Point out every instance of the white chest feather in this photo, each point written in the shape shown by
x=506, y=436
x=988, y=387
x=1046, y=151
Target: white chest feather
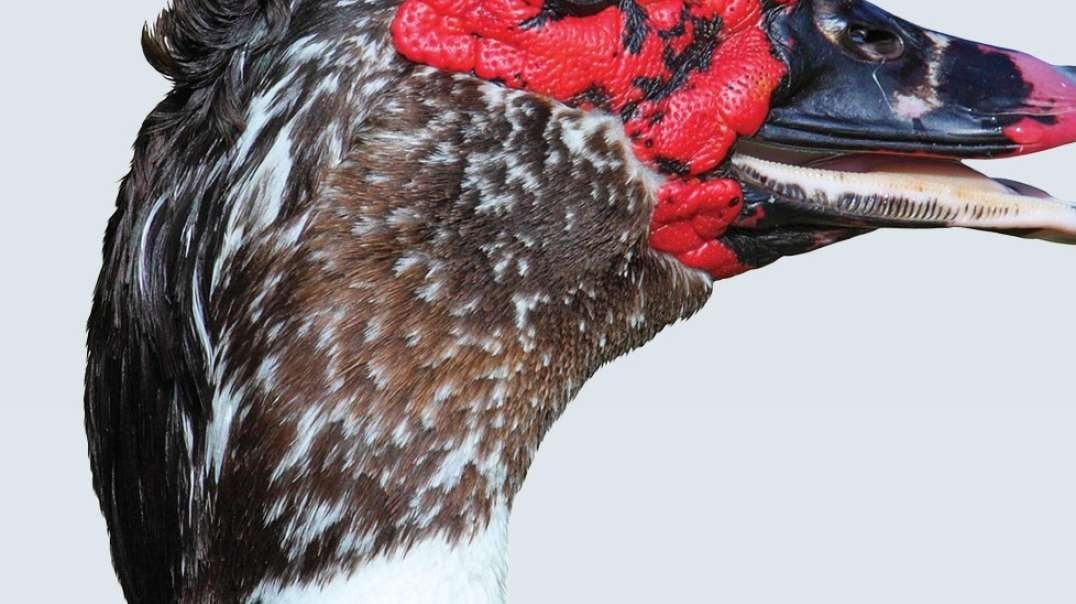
x=432, y=572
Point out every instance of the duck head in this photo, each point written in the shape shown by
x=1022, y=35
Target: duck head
x=781, y=126
x=344, y=296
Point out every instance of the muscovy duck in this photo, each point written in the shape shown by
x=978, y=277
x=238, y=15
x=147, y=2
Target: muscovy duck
x=368, y=250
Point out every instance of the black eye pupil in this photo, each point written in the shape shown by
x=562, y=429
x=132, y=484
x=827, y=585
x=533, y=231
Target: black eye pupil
x=875, y=44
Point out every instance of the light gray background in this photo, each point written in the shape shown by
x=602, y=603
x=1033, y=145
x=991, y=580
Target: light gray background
x=888, y=420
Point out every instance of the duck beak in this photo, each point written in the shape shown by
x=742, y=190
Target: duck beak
x=868, y=129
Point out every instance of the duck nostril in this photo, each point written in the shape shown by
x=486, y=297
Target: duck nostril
x=874, y=44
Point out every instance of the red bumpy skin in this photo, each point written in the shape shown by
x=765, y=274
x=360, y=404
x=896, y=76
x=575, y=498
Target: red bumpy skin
x=686, y=76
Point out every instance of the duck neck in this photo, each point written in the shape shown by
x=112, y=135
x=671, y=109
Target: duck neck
x=383, y=384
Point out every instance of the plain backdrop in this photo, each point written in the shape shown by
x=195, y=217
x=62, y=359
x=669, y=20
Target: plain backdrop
x=890, y=420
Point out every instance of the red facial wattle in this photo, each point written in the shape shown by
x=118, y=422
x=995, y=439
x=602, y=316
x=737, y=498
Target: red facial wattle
x=687, y=77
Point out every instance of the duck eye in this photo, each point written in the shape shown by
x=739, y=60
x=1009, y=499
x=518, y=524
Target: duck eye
x=873, y=44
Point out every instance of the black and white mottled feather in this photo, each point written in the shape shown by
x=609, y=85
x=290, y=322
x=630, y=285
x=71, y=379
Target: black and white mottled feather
x=343, y=298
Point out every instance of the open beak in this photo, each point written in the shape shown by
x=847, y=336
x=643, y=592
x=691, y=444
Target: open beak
x=874, y=116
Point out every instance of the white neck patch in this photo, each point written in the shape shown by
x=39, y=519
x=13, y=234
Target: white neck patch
x=431, y=572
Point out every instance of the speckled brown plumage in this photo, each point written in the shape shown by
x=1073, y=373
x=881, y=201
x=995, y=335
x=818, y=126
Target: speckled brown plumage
x=417, y=319
x=363, y=310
